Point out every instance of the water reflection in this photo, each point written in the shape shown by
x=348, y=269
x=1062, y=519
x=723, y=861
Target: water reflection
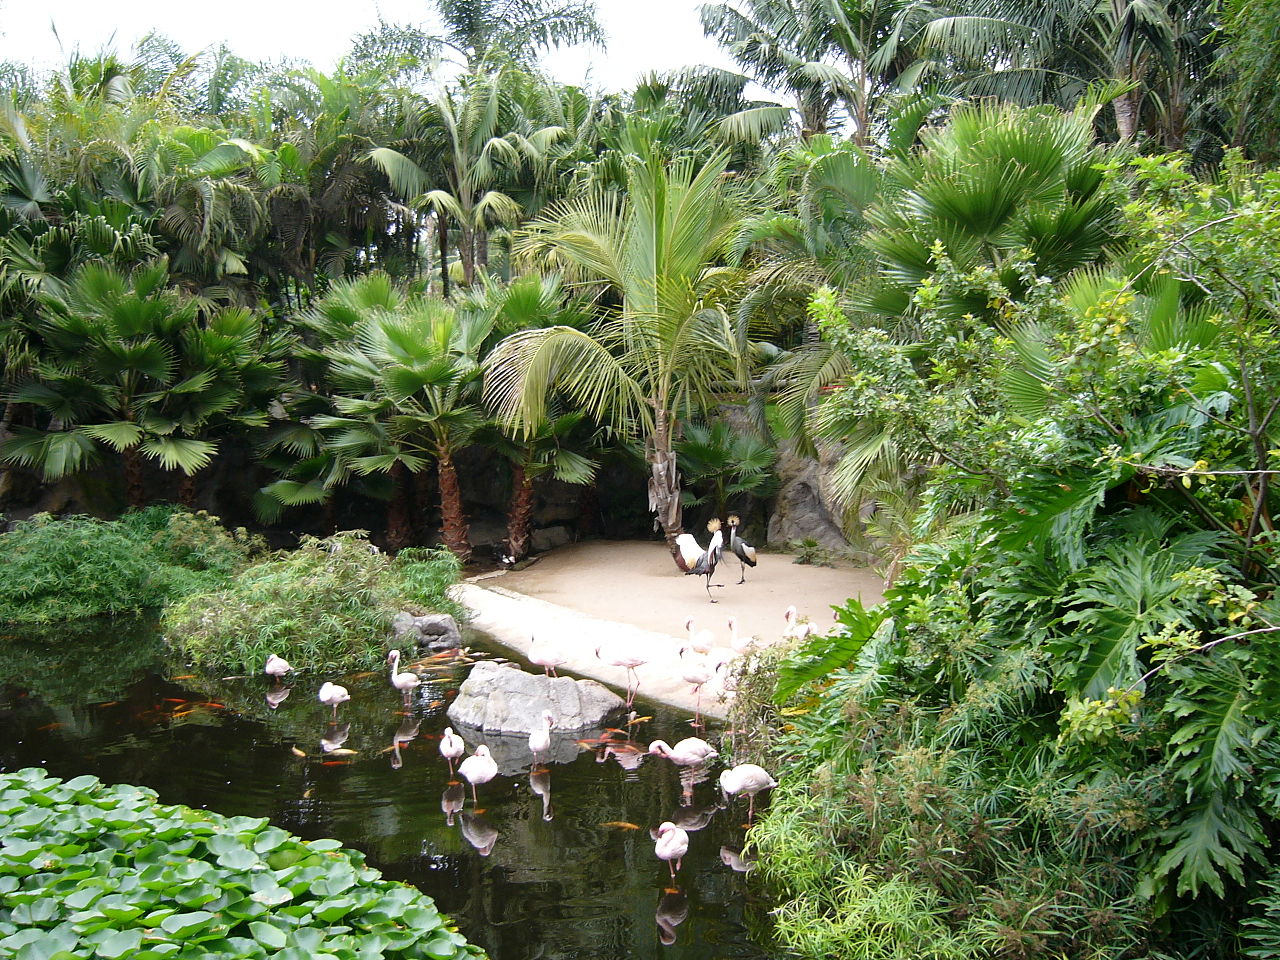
x=277, y=695
x=569, y=882
x=673, y=910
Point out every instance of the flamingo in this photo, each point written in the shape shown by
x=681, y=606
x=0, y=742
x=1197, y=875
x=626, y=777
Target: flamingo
x=478, y=768
x=686, y=753
x=543, y=654
x=451, y=747
x=692, y=559
x=746, y=778
x=672, y=844
x=740, y=644
x=331, y=694
x=540, y=736
x=695, y=671
x=701, y=641
x=795, y=630
x=630, y=657
x=406, y=682
x=276, y=667
x=744, y=551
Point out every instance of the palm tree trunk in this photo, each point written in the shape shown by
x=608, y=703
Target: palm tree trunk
x=520, y=514
x=453, y=524
x=135, y=492
x=467, y=253
x=1126, y=109
x=424, y=491
x=664, y=481
x=187, y=490
x=399, y=524
x=329, y=509
x=482, y=250
x=442, y=234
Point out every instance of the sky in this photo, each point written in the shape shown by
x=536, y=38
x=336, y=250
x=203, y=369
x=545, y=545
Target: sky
x=644, y=35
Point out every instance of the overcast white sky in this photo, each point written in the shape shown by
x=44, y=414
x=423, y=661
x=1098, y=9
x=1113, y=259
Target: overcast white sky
x=643, y=34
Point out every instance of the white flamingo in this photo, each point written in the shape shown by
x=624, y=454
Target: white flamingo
x=540, y=736
x=544, y=654
x=332, y=694
x=740, y=644
x=695, y=670
x=451, y=747
x=672, y=844
x=700, y=641
x=746, y=778
x=795, y=630
x=405, y=682
x=276, y=666
x=630, y=657
x=686, y=753
x=478, y=768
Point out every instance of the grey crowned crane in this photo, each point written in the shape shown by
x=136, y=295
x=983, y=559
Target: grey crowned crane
x=691, y=558
x=744, y=551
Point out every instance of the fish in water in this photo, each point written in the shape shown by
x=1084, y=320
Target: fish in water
x=621, y=825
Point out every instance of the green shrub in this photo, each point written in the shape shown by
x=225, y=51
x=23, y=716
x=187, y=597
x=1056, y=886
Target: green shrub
x=326, y=606
x=55, y=569
x=89, y=870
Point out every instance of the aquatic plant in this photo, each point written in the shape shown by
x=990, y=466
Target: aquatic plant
x=327, y=605
x=89, y=870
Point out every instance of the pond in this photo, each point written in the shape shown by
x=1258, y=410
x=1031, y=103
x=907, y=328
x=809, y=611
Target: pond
x=559, y=865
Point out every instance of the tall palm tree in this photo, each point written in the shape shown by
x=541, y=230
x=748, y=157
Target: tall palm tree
x=477, y=149
x=664, y=344
x=517, y=30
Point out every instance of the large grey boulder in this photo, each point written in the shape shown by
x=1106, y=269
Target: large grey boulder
x=502, y=698
x=803, y=507
x=435, y=631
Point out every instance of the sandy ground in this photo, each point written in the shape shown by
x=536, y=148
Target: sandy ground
x=630, y=595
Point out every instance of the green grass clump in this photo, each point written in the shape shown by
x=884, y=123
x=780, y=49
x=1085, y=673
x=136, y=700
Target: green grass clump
x=55, y=569
x=94, y=871
x=327, y=606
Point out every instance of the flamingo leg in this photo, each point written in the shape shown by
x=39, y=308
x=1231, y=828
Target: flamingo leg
x=475, y=801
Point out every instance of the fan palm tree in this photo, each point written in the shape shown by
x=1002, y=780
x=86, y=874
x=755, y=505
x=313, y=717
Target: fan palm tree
x=518, y=30
x=664, y=344
x=124, y=364
x=408, y=392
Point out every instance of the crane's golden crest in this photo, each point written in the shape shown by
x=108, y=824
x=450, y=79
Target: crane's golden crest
x=734, y=520
x=713, y=524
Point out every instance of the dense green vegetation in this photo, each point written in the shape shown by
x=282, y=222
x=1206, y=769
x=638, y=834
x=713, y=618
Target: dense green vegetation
x=1019, y=263
x=54, y=569
x=328, y=604
x=97, y=871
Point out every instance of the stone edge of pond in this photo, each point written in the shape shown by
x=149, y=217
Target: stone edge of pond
x=513, y=619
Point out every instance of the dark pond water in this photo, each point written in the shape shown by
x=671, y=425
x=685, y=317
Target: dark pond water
x=566, y=870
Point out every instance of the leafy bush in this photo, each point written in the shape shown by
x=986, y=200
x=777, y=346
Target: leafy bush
x=89, y=870
x=327, y=606
x=54, y=569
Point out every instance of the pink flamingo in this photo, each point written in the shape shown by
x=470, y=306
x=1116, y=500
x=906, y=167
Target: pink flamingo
x=746, y=778
x=546, y=656
x=672, y=844
x=630, y=657
x=478, y=768
x=686, y=753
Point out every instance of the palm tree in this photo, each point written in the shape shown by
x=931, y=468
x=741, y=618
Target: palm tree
x=408, y=392
x=476, y=150
x=664, y=344
x=518, y=30
x=123, y=363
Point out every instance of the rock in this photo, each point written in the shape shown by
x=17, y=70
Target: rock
x=548, y=538
x=502, y=698
x=802, y=508
x=436, y=631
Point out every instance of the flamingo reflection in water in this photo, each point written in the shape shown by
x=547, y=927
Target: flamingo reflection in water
x=692, y=817
x=405, y=733
x=734, y=860
x=673, y=910
x=452, y=800
x=334, y=736
x=478, y=832
x=277, y=695
x=540, y=784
